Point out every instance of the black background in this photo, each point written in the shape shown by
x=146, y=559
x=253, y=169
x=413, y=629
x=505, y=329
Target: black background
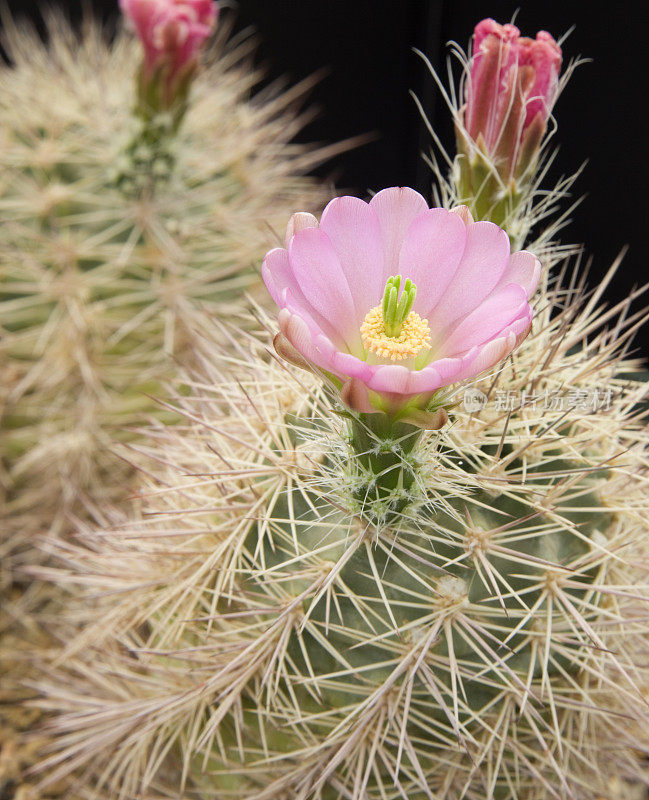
x=367, y=47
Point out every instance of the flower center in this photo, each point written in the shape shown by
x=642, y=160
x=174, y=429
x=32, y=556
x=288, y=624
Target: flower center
x=392, y=330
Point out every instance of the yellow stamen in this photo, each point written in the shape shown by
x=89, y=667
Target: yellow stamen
x=414, y=336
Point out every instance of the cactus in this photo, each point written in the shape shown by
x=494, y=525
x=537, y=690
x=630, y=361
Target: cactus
x=337, y=593
x=488, y=641
x=99, y=276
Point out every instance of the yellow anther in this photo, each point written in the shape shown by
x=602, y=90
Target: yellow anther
x=413, y=338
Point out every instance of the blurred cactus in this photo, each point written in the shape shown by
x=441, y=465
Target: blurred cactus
x=99, y=282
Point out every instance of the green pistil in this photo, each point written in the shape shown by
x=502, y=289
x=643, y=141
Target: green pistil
x=396, y=309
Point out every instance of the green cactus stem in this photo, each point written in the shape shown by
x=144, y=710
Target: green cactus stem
x=384, y=464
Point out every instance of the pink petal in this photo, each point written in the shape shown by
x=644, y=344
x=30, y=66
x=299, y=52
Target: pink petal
x=489, y=27
x=500, y=309
x=277, y=274
x=484, y=356
x=431, y=254
x=494, y=351
x=283, y=288
x=298, y=222
x=320, y=276
x=314, y=346
x=521, y=326
x=464, y=212
x=350, y=365
x=489, y=355
x=523, y=268
x=484, y=260
x=297, y=332
x=543, y=54
x=396, y=209
x=355, y=234
x=315, y=323
x=449, y=368
x=378, y=377
x=390, y=378
x=430, y=378
x=494, y=55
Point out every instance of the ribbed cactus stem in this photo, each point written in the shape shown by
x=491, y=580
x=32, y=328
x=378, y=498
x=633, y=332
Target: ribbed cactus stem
x=385, y=454
x=306, y=640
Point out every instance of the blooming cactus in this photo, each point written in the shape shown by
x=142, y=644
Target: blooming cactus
x=463, y=308
x=319, y=605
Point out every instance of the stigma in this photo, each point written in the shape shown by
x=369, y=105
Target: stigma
x=393, y=330
x=413, y=337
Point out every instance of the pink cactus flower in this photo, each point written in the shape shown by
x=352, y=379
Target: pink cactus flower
x=396, y=300
x=171, y=31
x=512, y=86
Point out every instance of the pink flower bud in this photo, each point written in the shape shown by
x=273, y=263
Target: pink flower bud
x=512, y=86
x=171, y=31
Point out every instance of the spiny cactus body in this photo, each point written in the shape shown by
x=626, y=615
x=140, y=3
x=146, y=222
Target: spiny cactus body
x=483, y=635
x=106, y=254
